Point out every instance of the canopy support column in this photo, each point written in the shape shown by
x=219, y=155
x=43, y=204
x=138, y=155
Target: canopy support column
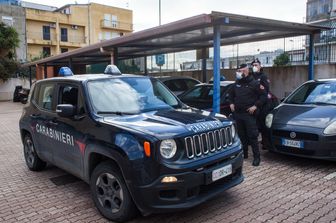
x=216, y=69
x=311, y=58
x=45, y=71
x=30, y=76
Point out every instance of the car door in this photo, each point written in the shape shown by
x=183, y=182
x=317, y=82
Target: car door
x=40, y=116
x=70, y=142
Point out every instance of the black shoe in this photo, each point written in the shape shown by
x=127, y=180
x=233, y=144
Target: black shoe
x=256, y=162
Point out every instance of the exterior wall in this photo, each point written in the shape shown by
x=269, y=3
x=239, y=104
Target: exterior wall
x=36, y=19
x=35, y=50
x=283, y=79
x=84, y=24
x=18, y=17
x=7, y=88
x=123, y=24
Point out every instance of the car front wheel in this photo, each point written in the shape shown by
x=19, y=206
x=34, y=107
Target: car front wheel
x=33, y=161
x=110, y=193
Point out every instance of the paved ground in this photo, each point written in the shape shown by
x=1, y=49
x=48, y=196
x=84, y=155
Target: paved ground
x=282, y=189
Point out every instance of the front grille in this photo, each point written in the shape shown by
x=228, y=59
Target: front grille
x=299, y=135
x=209, y=142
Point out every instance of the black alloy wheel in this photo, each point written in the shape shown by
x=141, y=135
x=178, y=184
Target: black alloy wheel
x=33, y=161
x=110, y=193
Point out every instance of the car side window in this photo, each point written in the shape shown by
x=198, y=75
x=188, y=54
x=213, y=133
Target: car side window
x=69, y=94
x=194, y=94
x=176, y=85
x=190, y=83
x=34, y=93
x=45, y=96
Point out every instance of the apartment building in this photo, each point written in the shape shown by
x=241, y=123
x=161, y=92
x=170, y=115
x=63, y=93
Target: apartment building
x=13, y=15
x=51, y=31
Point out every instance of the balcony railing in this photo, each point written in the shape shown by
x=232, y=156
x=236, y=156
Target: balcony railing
x=39, y=36
x=116, y=25
x=72, y=39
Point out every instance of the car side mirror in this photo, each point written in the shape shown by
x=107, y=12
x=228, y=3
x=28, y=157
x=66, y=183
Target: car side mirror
x=65, y=110
x=282, y=99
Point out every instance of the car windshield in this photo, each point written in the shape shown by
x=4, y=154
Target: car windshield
x=129, y=95
x=323, y=93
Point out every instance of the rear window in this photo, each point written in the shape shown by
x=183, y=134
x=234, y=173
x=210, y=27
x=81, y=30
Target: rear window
x=314, y=93
x=204, y=92
x=176, y=85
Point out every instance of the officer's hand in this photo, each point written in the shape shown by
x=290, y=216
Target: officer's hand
x=252, y=109
x=232, y=107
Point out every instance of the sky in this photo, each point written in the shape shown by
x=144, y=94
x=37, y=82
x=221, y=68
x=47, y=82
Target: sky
x=146, y=12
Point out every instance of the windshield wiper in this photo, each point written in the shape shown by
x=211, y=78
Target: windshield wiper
x=114, y=113
x=320, y=103
x=293, y=102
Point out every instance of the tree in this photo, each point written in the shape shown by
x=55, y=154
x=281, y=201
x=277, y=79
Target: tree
x=281, y=60
x=9, y=40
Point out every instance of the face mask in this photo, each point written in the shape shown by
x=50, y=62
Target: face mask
x=239, y=75
x=255, y=69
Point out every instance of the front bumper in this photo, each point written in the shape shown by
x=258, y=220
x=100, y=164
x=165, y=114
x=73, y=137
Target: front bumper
x=315, y=144
x=192, y=188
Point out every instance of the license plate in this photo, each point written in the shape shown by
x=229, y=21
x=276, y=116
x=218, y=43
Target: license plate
x=221, y=172
x=292, y=143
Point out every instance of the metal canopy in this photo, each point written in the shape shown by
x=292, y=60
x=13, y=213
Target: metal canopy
x=192, y=33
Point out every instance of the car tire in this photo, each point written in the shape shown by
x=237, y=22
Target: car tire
x=110, y=193
x=33, y=161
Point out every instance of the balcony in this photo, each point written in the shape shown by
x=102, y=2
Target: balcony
x=41, y=38
x=72, y=40
x=123, y=26
x=50, y=39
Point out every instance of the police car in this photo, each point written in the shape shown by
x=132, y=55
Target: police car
x=137, y=145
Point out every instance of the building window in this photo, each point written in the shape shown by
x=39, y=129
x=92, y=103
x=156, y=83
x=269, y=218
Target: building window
x=114, y=35
x=64, y=34
x=66, y=11
x=64, y=50
x=46, y=32
x=7, y=20
x=107, y=35
x=46, y=51
x=110, y=20
x=114, y=21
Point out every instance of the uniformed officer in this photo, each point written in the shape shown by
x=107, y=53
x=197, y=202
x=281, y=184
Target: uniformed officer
x=246, y=99
x=260, y=76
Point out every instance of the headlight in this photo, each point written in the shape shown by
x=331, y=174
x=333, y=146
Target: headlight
x=168, y=148
x=269, y=120
x=233, y=131
x=331, y=129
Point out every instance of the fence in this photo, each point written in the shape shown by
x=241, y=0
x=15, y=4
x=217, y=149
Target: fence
x=297, y=49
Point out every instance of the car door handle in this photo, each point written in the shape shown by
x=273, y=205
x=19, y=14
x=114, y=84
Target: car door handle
x=51, y=122
x=35, y=115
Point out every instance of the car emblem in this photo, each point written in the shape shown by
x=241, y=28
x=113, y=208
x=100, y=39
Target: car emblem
x=292, y=135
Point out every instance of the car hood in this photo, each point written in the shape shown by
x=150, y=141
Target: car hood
x=305, y=115
x=169, y=123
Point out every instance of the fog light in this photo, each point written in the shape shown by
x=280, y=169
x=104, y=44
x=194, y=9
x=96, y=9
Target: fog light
x=170, y=179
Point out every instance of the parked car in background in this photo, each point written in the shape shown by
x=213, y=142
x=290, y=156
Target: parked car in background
x=179, y=85
x=200, y=97
x=304, y=124
x=221, y=78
